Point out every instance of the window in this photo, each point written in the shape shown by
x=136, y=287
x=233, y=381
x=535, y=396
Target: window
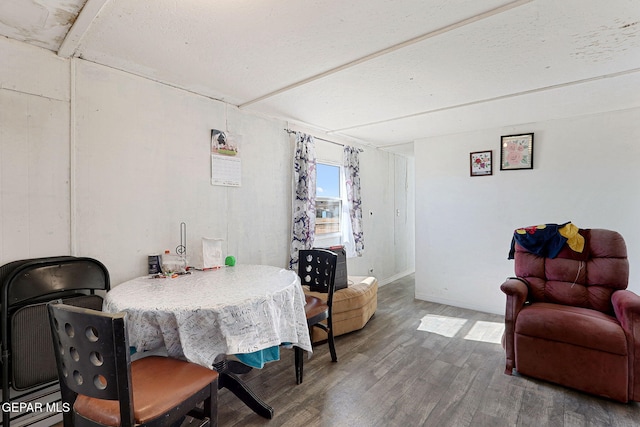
x=328, y=201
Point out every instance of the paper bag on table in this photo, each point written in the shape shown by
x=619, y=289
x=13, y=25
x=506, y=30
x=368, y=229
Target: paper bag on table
x=210, y=255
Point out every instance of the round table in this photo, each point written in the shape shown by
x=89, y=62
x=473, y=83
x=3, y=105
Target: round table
x=198, y=316
x=205, y=314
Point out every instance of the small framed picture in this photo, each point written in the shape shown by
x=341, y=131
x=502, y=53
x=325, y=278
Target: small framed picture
x=516, y=151
x=481, y=163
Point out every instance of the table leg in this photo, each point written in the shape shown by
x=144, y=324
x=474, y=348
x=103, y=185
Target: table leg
x=238, y=367
x=233, y=383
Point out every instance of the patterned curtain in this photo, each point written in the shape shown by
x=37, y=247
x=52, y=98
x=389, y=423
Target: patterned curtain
x=304, y=197
x=355, y=244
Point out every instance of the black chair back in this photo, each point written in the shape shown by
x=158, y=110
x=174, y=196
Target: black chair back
x=92, y=355
x=317, y=269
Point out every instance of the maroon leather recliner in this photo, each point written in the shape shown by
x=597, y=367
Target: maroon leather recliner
x=570, y=320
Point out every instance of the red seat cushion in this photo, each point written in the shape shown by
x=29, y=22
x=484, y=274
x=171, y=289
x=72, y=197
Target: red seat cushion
x=315, y=307
x=159, y=384
x=573, y=325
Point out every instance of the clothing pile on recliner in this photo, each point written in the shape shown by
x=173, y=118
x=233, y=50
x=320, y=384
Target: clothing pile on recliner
x=552, y=240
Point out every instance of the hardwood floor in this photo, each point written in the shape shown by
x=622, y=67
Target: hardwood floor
x=393, y=374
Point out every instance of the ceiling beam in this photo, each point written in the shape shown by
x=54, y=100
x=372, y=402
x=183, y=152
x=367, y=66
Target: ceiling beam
x=486, y=100
x=80, y=27
x=392, y=49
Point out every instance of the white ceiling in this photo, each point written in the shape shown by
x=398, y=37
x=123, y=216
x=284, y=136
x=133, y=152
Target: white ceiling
x=386, y=72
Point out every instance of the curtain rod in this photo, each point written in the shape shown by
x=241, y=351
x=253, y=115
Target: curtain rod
x=289, y=131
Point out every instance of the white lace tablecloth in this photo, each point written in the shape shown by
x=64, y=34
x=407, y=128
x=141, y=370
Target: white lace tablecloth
x=240, y=309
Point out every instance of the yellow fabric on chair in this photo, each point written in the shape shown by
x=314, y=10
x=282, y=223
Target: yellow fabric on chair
x=574, y=240
x=353, y=306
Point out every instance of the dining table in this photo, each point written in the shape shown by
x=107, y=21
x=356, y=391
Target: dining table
x=205, y=316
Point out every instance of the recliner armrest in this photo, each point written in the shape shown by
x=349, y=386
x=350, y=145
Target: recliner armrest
x=626, y=306
x=517, y=287
x=517, y=290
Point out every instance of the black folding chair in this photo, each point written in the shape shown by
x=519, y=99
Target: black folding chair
x=28, y=362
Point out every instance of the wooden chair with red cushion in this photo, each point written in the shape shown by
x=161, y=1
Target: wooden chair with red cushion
x=102, y=387
x=317, y=269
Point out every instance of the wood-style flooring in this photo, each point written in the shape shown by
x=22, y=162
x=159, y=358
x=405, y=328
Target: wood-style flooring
x=416, y=363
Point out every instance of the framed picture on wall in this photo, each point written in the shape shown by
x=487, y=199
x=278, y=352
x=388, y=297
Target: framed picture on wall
x=516, y=151
x=481, y=163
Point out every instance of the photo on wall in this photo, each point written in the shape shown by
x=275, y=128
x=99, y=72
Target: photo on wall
x=516, y=152
x=481, y=163
x=224, y=143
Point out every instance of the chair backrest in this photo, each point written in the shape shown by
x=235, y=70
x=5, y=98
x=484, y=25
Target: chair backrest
x=584, y=280
x=33, y=362
x=317, y=269
x=26, y=286
x=44, y=279
x=92, y=355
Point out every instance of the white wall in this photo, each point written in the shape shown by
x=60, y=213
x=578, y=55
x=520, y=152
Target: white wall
x=100, y=163
x=34, y=152
x=389, y=247
x=387, y=211
x=585, y=171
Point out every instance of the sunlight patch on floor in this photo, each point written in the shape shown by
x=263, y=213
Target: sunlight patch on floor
x=441, y=325
x=490, y=332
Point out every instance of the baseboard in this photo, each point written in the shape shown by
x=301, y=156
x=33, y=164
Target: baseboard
x=461, y=304
x=395, y=277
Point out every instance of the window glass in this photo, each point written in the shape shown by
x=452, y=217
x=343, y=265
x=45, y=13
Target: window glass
x=327, y=180
x=328, y=203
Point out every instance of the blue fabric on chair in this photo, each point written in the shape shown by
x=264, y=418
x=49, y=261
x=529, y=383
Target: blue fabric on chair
x=543, y=240
x=257, y=359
